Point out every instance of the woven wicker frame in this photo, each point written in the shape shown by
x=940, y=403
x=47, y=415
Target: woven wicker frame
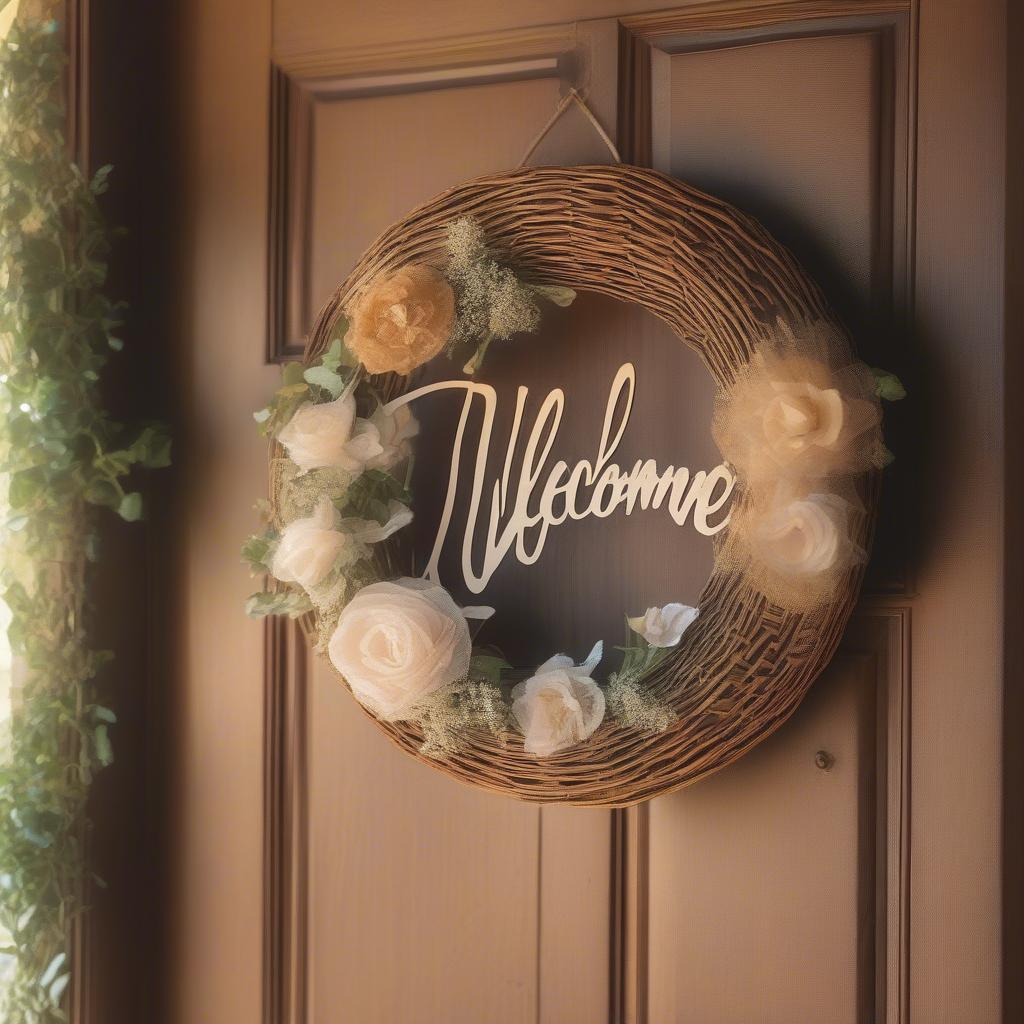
x=716, y=277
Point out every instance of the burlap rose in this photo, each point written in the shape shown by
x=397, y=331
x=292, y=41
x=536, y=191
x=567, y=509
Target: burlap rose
x=402, y=320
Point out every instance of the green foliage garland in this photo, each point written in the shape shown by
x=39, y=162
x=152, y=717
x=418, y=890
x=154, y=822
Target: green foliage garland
x=60, y=455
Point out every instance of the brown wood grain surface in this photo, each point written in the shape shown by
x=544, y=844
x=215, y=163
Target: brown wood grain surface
x=875, y=133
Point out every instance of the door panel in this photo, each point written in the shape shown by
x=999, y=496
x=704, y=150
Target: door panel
x=738, y=123
x=455, y=902
x=762, y=878
x=425, y=894
x=378, y=157
x=731, y=111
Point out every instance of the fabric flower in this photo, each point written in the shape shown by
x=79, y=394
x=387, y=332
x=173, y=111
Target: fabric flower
x=402, y=320
x=664, y=627
x=309, y=548
x=794, y=546
x=801, y=415
x=396, y=643
x=801, y=409
x=329, y=435
x=559, y=706
x=395, y=431
x=802, y=537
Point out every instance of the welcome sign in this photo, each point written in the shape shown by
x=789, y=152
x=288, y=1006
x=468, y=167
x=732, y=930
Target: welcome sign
x=515, y=511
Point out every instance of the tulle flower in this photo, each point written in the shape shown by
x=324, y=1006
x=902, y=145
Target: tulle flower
x=801, y=409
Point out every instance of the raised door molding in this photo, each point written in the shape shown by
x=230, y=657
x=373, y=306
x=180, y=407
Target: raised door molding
x=299, y=88
x=630, y=895
x=285, y=823
x=881, y=318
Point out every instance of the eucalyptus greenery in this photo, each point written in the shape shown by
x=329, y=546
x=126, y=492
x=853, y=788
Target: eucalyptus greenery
x=60, y=456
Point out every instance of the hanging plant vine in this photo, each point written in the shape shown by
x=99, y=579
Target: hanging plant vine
x=61, y=456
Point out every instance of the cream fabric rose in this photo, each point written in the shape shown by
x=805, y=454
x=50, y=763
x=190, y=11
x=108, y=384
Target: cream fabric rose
x=309, y=548
x=801, y=415
x=664, y=627
x=395, y=431
x=396, y=643
x=801, y=409
x=802, y=537
x=330, y=435
x=402, y=320
x=559, y=706
x=794, y=547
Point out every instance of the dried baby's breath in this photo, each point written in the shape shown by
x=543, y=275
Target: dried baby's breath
x=465, y=242
x=633, y=706
x=492, y=303
x=471, y=704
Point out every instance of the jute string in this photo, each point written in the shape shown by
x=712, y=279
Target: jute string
x=572, y=96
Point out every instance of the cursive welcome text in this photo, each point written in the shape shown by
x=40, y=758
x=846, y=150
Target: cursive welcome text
x=522, y=511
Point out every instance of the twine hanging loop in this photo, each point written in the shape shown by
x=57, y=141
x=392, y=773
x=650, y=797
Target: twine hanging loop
x=572, y=96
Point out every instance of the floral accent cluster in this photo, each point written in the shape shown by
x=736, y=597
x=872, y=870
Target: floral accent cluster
x=403, y=645
x=494, y=303
x=800, y=421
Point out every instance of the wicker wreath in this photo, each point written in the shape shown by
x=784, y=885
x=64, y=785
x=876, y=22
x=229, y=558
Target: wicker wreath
x=721, y=282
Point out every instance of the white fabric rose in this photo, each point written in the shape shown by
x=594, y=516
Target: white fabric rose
x=309, y=548
x=330, y=435
x=395, y=432
x=804, y=536
x=559, y=706
x=396, y=643
x=664, y=627
x=801, y=415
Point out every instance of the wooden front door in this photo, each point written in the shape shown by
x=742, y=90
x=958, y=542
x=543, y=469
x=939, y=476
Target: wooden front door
x=846, y=871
